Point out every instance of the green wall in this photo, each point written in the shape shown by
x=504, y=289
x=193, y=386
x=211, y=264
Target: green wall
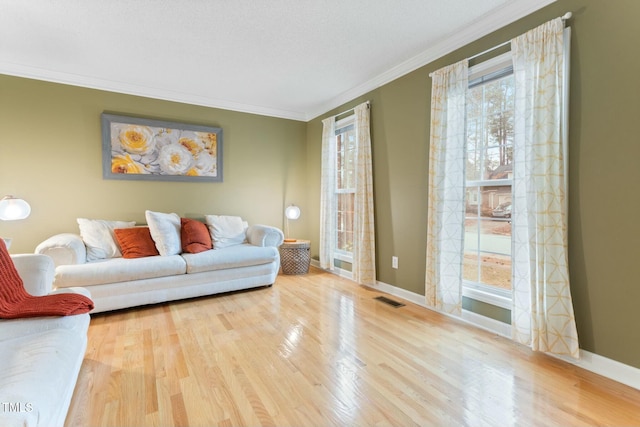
x=50, y=154
x=604, y=152
x=51, y=148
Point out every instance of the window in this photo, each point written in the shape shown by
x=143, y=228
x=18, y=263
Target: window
x=345, y=187
x=489, y=177
x=483, y=175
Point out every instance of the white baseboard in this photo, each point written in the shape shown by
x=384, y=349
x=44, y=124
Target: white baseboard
x=608, y=368
x=592, y=362
x=595, y=363
x=401, y=293
x=337, y=271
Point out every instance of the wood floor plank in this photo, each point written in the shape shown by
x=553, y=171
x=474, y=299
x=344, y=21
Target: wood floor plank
x=319, y=350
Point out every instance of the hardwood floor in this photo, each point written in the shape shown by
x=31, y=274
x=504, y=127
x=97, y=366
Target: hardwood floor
x=318, y=350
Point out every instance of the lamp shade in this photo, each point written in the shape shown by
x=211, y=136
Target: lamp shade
x=12, y=208
x=292, y=212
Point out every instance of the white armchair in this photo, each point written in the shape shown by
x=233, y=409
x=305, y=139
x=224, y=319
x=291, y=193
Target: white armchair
x=36, y=272
x=41, y=356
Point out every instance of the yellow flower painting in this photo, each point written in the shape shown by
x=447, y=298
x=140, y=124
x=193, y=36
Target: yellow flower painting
x=135, y=148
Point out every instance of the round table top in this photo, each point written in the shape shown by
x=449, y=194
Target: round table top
x=298, y=243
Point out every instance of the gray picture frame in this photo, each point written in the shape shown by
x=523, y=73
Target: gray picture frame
x=141, y=149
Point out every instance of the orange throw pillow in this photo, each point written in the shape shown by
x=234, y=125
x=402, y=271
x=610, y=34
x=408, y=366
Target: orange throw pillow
x=195, y=236
x=136, y=242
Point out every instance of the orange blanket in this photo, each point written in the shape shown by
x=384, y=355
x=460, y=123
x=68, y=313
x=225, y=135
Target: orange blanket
x=15, y=301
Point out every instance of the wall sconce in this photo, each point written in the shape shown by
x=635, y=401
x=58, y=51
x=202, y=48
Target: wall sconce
x=12, y=208
x=291, y=212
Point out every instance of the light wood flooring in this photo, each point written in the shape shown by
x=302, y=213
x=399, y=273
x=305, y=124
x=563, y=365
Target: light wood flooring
x=318, y=350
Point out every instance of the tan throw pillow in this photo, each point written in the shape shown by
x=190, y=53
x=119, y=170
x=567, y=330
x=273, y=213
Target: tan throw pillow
x=195, y=236
x=136, y=242
x=98, y=237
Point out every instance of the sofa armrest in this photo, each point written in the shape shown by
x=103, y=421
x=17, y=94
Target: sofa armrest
x=264, y=235
x=64, y=248
x=72, y=290
x=36, y=271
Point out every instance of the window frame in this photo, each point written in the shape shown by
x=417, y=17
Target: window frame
x=343, y=125
x=490, y=69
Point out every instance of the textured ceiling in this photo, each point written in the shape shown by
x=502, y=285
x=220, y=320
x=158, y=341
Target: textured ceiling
x=295, y=59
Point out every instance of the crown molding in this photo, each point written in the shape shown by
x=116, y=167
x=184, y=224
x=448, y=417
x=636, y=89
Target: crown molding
x=482, y=27
x=19, y=70
x=507, y=14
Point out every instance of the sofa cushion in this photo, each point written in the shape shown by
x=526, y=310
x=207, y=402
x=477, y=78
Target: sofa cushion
x=242, y=255
x=12, y=328
x=226, y=230
x=165, y=231
x=40, y=364
x=118, y=270
x=195, y=236
x=136, y=242
x=99, y=238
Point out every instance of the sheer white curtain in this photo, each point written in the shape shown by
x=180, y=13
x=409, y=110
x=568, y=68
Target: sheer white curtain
x=364, y=261
x=542, y=314
x=327, y=194
x=364, y=247
x=445, y=227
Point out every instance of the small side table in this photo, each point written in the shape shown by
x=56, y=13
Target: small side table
x=295, y=257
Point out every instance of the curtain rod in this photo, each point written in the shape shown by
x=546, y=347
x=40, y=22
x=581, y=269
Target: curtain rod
x=350, y=109
x=564, y=18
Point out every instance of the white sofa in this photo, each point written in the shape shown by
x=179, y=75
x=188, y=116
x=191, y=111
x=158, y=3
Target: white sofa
x=40, y=357
x=117, y=282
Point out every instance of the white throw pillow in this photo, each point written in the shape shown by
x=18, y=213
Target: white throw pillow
x=226, y=230
x=98, y=237
x=165, y=231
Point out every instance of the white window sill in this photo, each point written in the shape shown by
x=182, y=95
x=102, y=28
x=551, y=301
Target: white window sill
x=487, y=297
x=343, y=256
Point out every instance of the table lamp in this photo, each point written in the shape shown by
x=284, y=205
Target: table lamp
x=291, y=212
x=12, y=209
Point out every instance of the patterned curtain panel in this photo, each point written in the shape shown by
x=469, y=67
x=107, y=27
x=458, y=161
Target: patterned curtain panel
x=542, y=315
x=445, y=227
x=327, y=194
x=364, y=246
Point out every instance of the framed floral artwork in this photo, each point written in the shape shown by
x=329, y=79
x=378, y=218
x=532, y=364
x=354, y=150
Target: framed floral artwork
x=156, y=150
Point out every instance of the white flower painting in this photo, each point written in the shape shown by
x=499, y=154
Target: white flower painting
x=148, y=149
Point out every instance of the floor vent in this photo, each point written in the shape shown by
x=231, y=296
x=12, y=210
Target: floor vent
x=389, y=301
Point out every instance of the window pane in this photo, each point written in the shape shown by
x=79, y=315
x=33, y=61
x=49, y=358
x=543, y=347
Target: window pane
x=474, y=133
x=496, y=270
x=495, y=237
x=489, y=157
x=487, y=268
x=498, y=163
x=346, y=158
x=474, y=165
x=494, y=201
x=345, y=186
x=487, y=241
x=470, y=267
x=340, y=161
x=498, y=96
x=344, y=237
x=500, y=128
x=350, y=159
